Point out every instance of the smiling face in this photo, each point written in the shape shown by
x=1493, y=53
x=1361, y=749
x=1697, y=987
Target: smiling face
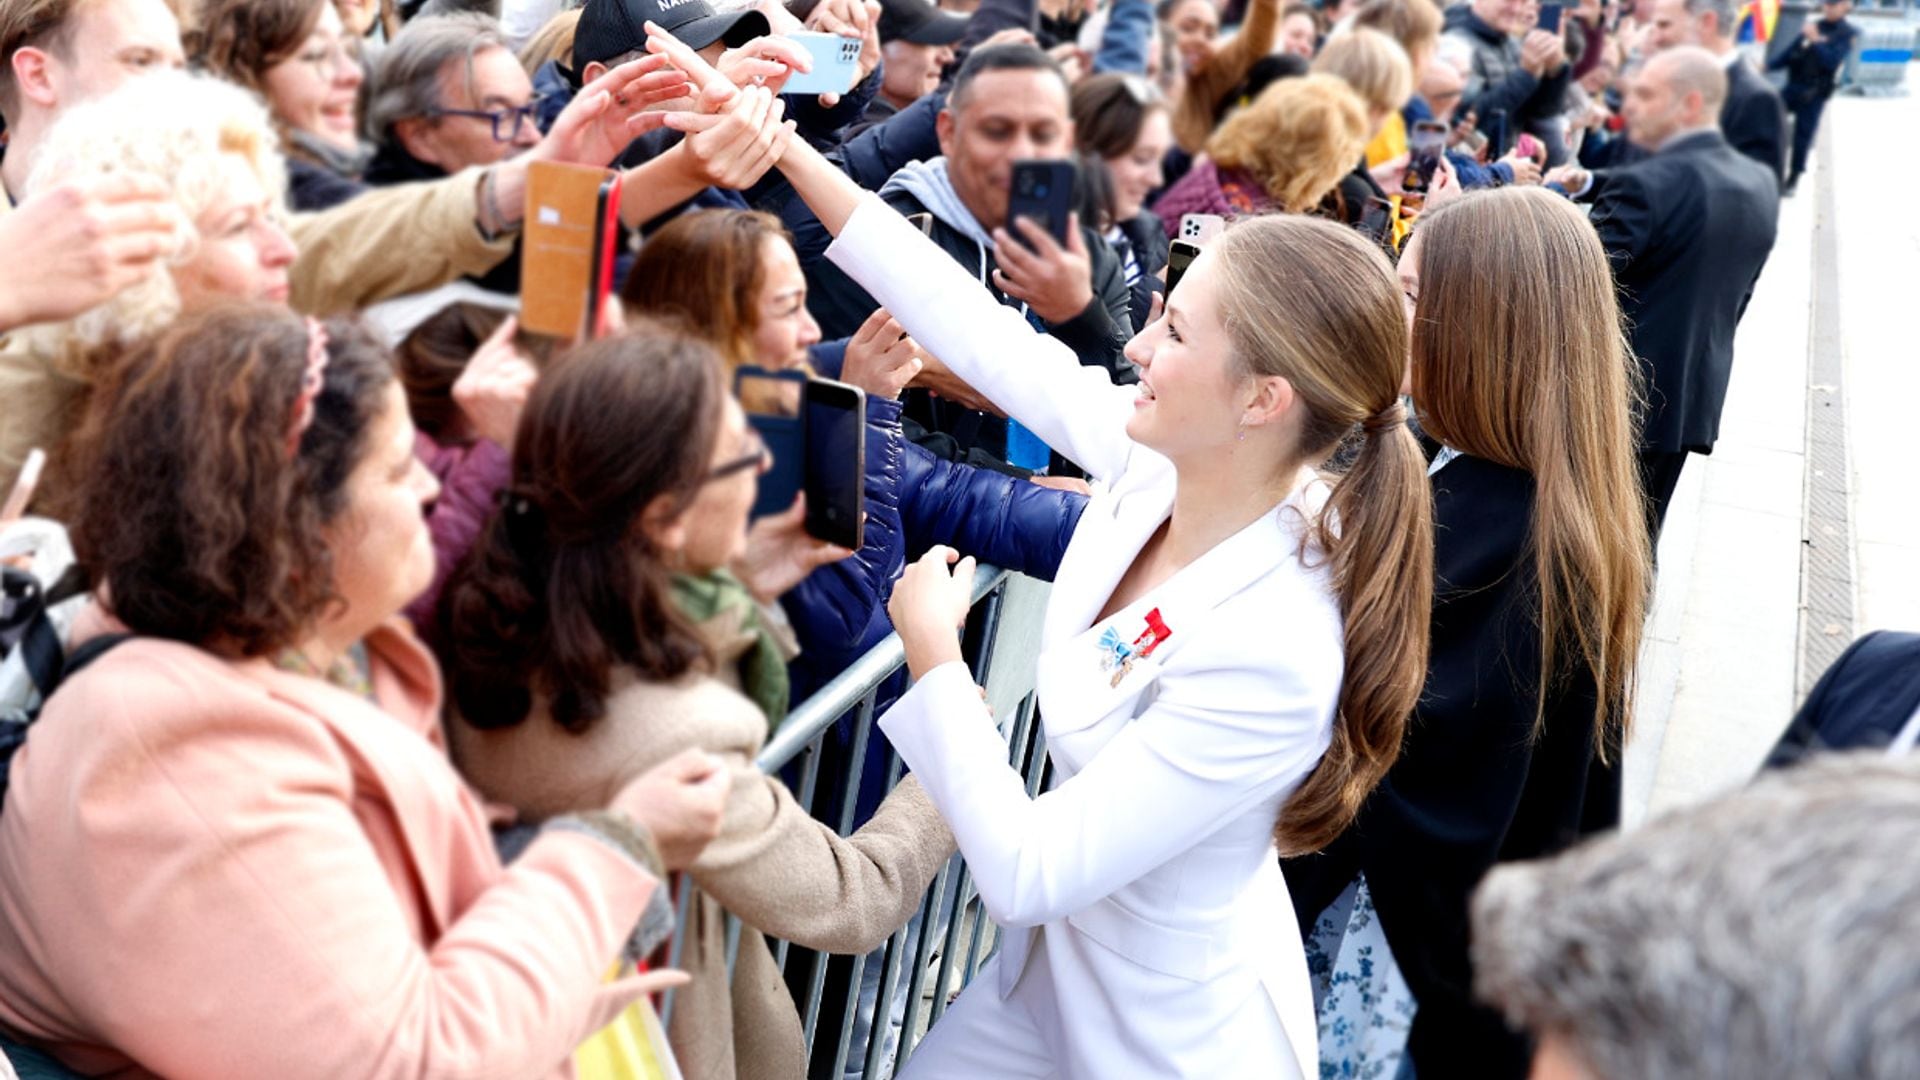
x=243, y=251
x=382, y=552
x=1002, y=117
x=317, y=89
x=1137, y=173
x=785, y=328
x=1195, y=25
x=1190, y=401
x=1298, y=36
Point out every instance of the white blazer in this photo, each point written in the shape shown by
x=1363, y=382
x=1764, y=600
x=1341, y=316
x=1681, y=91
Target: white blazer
x=1148, y=867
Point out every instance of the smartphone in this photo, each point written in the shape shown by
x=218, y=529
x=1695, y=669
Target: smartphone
x=836, y=64
x=572, y=227
x=1043, y=192
x=1496, y=134
x=1199, y=228
x=836, y=466
x=1180, y=256
x=1550, y=18
x=775, y=404
x=1425, y=145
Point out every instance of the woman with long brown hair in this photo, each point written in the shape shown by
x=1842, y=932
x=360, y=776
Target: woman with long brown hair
x=1520, y=371
x=1230, y=655
x=573, y=665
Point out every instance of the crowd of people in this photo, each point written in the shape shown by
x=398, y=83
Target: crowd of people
x=376, y=668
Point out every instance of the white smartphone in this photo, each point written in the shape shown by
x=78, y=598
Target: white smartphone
x=1197, y=229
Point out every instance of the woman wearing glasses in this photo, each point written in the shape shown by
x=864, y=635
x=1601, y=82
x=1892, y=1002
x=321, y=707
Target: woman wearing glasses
x=572, y=667
x=298, y=56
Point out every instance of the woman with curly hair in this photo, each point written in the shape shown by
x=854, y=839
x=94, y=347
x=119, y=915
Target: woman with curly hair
x=1286, y=151
x=233, y=844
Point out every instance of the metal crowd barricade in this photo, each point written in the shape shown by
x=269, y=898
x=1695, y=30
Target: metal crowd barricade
x=954, y=937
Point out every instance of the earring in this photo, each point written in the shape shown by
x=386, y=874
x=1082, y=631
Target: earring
x=1242, y=437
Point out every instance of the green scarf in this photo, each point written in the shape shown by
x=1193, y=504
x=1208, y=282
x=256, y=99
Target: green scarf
x=762, y=665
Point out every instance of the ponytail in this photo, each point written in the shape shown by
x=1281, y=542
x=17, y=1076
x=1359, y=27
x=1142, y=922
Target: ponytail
x=1340, y=340
x=1378, y=532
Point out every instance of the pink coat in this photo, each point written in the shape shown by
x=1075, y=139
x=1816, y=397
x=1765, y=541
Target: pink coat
x=212, y=868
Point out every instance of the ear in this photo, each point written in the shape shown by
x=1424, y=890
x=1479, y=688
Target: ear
x=664, y=524
x=943, y=127
x=32, y=75
x=594, y=70
x=415, y=135
x=1272, y=398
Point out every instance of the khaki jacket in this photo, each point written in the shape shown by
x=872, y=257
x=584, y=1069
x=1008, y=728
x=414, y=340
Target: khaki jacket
x=386, y=243
x=779, y=870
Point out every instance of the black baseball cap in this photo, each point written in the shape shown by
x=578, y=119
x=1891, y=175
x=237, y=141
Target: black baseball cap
x=919, y=22
x=610, y=29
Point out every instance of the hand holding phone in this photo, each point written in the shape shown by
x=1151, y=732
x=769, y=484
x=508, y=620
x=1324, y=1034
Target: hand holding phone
x=836, y=64
x=1042, y=192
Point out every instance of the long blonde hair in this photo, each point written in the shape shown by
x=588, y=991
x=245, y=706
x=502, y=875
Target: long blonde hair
x=1310, y=301
x=1519, y=358
x=1298, y=138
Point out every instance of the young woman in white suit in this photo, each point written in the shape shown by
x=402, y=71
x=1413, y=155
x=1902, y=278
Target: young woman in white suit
x=1274, y=637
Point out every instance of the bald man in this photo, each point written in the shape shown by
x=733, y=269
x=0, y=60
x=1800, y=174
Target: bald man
x=1688, y=230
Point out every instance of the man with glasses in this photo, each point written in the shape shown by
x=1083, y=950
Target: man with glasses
x=448, y=94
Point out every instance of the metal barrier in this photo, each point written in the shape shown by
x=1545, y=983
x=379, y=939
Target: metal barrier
x=1878, y=66
x=954, y=936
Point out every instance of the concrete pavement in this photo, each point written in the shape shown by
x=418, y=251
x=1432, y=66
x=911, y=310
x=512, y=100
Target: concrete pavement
x=1752, y=576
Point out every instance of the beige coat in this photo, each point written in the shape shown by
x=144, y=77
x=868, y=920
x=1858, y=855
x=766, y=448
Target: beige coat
x=779, y=870
x=385, y=243
x=214, y=868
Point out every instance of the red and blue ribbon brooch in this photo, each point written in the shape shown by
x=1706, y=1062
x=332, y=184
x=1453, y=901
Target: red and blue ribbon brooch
x=1118, y=656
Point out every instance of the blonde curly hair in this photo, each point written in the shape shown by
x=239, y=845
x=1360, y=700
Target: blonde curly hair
x=1298, y=138
x=172, y=126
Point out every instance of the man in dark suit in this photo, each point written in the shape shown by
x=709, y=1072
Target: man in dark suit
x=1870, y=697
x=1753, y=117
x=1687, y=230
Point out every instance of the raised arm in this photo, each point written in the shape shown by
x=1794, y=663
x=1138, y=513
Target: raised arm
x=1029, y=376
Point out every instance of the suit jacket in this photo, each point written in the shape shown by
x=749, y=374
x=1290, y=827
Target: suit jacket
x=1688, y=231
x=1754, y=119
x=782, y=872
x=1863, y=700
x=1474, y=785
x=1146, y=876
x=216, y=868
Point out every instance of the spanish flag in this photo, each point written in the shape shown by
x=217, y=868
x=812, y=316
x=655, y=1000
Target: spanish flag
x=1758, y=22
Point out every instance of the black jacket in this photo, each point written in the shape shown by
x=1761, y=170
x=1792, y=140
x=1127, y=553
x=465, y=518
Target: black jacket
x=1862, y=701
x=1813, y=69
x=1474, y=784
x=1688, y=231
x=1754, y=119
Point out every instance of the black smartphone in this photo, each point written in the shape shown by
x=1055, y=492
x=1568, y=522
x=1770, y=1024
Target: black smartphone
x=775, y=404
x=1425, y=144
x=1550, y=18
x=1497, y=134
x=1043, y=192
x=836, y=468
x=1180, y=255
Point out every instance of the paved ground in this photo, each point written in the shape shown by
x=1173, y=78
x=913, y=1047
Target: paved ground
x=1768, y=565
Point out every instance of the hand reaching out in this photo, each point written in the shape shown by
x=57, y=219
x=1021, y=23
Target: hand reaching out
x=780, y=554
x=74, y=246
x=928, y=606
x=492, y=392
x=881, y=358
x=610, y=112
x=680, y=802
